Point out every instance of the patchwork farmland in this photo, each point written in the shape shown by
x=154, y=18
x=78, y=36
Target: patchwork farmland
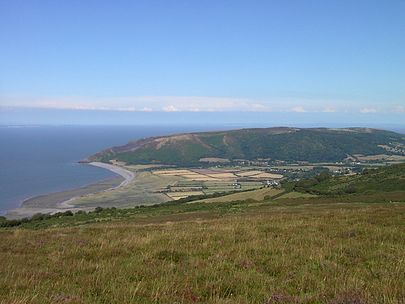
x=192, y=182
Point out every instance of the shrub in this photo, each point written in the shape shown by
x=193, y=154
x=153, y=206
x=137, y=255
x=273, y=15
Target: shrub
x=11, y=223
x=350, y=189
x=98, y=209
x=40, y=217
x=323, y=176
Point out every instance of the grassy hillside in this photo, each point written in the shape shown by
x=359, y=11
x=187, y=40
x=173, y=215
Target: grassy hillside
x=385, y=179
x=268, y=252
x=290, y=144
x=346, y=248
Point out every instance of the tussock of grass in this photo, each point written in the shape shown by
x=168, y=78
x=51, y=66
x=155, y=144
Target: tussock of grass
x=284, y=252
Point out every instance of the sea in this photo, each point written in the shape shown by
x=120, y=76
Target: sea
x=37, y=160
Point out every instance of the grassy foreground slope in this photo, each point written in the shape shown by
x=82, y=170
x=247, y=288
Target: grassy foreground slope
x=289, y=144
x=273, y=253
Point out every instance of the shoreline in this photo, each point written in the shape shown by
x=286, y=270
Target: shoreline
x=62, y=200
x=126, y=174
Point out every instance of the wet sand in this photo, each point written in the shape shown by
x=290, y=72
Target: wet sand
x=62, y=201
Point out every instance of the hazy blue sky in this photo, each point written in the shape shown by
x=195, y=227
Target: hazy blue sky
x=259, y=56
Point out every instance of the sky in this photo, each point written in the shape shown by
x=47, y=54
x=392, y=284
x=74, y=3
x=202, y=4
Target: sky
x=288, y=58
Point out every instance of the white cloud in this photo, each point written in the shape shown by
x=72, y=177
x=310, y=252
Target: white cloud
x=298, y=109
x=170, y=108
x=368, y=110
x=142, y=103
x=196, y=104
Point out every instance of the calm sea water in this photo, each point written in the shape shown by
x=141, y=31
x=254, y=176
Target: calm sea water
x=40, y=160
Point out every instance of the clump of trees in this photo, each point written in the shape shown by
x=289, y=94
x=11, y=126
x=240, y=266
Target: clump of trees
x=308, y=184
x=38, y=217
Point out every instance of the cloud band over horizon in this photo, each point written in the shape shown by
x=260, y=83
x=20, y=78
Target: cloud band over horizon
x=198, y=104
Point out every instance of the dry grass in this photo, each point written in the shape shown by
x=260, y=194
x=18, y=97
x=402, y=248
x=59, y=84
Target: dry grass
x=188, y=174
x=267, y=175
x=248, y=173
x=257, y=195
x=172, y=172
x=258, y=174
x=179, y=195
x=199, y=177
x=223, y=175
x=351, y=253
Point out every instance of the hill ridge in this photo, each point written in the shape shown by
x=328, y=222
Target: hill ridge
x=278, y=143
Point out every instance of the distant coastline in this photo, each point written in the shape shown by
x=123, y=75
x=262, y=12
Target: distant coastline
x=48, y=168
x=62, y=201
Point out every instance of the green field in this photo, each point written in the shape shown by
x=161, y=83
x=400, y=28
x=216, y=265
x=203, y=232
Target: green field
x=215, y=187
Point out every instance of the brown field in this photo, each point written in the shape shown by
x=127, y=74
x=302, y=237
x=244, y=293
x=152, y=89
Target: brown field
x=222, y=175
x=258, y=174
x=172, y=172
x=179, y=195
x=198, y=174
x=248, y=173
x=206, y=171
x=202, y=178
x=267, y=175
x=198, y=177
x=206, y=176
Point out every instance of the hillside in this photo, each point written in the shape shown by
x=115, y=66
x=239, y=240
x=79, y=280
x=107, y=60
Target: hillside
x=288, y=144
x=385, y=179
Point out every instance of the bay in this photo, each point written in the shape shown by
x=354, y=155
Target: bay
x=36, y=160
